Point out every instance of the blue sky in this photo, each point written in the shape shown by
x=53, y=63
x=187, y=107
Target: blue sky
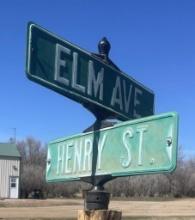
x=152, y=41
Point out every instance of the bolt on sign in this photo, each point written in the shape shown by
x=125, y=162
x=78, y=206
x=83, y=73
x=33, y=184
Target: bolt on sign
x=77, y=74
x=141, y=146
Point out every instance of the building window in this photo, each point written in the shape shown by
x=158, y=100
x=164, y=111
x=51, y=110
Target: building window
x=13, y=182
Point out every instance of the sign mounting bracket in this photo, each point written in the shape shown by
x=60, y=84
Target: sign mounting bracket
x=104, y=47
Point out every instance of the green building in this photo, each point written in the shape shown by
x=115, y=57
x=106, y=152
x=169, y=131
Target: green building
x=9, y=170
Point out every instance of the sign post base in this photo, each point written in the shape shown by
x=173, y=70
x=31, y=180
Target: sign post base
x=97, y=199
x=99, y=215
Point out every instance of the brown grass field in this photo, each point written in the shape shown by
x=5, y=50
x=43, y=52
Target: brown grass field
x=181, y=209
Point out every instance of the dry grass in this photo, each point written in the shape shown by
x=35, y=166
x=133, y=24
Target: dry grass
x=56, y=209
x=159, y=218
x=38, y=203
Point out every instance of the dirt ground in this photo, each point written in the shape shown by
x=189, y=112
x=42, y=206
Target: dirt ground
x=67, y=208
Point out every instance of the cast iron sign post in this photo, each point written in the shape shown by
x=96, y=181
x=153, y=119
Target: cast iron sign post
x=141, y=146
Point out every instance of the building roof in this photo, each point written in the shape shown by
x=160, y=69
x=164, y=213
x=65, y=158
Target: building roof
x=9, y=150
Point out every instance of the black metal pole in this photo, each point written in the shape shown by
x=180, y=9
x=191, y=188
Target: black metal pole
x=98, y=198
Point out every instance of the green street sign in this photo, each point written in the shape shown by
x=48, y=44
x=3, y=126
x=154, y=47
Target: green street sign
x=79, y=75
x=141, y=146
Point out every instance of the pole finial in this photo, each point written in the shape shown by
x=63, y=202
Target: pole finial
x=104, y=47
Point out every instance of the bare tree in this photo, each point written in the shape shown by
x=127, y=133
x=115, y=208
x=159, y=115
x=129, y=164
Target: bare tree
x=33, y=161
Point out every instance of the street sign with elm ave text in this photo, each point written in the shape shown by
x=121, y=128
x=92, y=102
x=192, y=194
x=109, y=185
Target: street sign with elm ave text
x=79, y=75
x=141, y=146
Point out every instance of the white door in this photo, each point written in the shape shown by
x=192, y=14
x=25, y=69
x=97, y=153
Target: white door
x=14, y=187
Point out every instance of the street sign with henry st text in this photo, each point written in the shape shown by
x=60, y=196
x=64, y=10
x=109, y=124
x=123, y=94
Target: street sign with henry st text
x=141, y=146
x=81, y=76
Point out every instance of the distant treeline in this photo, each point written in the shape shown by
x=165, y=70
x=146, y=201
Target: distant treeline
x=33, y=161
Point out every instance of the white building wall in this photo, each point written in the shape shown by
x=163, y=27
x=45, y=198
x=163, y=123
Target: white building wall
x=8, y=167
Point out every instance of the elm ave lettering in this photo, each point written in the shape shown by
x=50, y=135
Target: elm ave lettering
x=85, y=78
x=123, y=95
